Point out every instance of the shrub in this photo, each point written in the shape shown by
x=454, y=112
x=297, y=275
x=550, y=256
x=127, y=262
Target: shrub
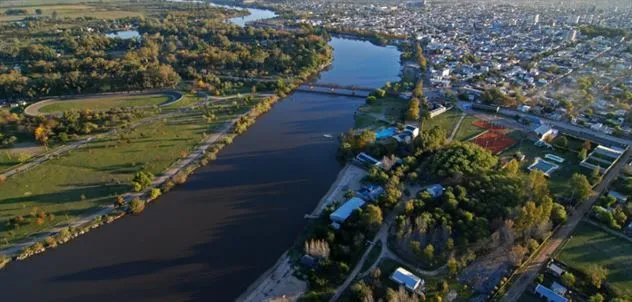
x=154, y=193
x=180, y=178
x=50, y=241
x=137, y=206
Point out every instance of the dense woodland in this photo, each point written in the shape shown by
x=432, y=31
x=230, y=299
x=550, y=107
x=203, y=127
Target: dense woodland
x=185, y=44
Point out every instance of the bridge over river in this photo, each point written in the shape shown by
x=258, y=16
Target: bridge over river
x=335, y=89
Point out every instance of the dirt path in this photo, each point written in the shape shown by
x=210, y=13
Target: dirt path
x=456, y=128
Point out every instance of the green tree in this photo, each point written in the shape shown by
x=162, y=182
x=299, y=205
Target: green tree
x=361, y=291
x=429, y=251
x=512, y=167
x=413, y=110
x=372, y=217
x=596, y=298
x=579, y=187
x=453, y=266
x=568, y=279
x=537, y=185
x=558, y=214
x=597, y=274
x=371, y=99
x=583, y=153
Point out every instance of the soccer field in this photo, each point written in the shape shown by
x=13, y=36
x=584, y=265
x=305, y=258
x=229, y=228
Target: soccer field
x=590, y=245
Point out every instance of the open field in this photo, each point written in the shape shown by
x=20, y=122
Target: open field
x=68, y=10
x=468, y=129
x=12, y=156
x=445, y=121
x=102, y=103
x=63, y=188
x=590, y=245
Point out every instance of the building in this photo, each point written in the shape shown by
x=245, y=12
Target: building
x=548, y=294
x=346, y=209
x=622, y=199
x=536, y=19
x=437, y=111
x=572, y=36
x=414, y=131
x=371, y=192
x=407, y=279
x=545, y=132
x=435, y=190
x=367, y=160
x=555, y=269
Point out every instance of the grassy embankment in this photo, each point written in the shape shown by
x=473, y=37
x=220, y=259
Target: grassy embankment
x=65, y=188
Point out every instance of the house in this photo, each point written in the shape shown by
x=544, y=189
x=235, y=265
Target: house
x=548, y=294
x=622, y=199
x=367, y=160
x=545, y=132
x=346, y=209
x=371, y=192
x=555, y=269
x=435, y=190
x=414, y=131
x=437, y=111
x=407, y=279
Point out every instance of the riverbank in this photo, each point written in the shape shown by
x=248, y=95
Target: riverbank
x=280, y=281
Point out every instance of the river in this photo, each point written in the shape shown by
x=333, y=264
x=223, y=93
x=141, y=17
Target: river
x=209, y=239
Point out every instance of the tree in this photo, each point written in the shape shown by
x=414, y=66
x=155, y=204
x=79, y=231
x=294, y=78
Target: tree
x=362, y=292
x=154, y=193
x=142, y=180
x=371, y=99
x=317, y=248
x=512, y=167
x=413, y=110
x=568, y=279
x=558, y=214
x=583, y=153
x=537, y=185
x=597, y=274
x=372, y=217
x=137, y=206
x=462, y=159
x=596, y=175
x=401, y=295
x=596, y=298
x=580, y=188
x=429, y=252
x=453, y=266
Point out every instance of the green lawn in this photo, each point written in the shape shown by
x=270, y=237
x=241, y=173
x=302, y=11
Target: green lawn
x=590, y=245
x=94, y=175
x=445, y=121
x=104, y=103
x=7, y=159
x=467, y=129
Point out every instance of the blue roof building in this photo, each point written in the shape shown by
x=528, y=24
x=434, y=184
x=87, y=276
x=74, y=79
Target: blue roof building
x=406, y=279
x=548, y=294
x=435, y=190
x=346, y=209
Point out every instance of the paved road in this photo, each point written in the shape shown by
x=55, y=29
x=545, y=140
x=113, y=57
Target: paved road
x=574, y=130
x=530, y=270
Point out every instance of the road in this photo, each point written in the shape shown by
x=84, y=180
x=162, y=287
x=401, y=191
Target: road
x=530, y=270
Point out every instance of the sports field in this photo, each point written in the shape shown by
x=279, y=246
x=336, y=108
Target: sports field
x=591, y=245
x=98, y=103
x=494, y=141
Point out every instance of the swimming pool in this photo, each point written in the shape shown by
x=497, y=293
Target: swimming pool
x=546, y=167
x=385, y=133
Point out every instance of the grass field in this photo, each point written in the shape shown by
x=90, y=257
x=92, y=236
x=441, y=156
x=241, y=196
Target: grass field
x=7, y=159
x=94, y=175
x=68, y=10
x=445, y=121
x=590, y=245
x=104, y=103
x=468, y=129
